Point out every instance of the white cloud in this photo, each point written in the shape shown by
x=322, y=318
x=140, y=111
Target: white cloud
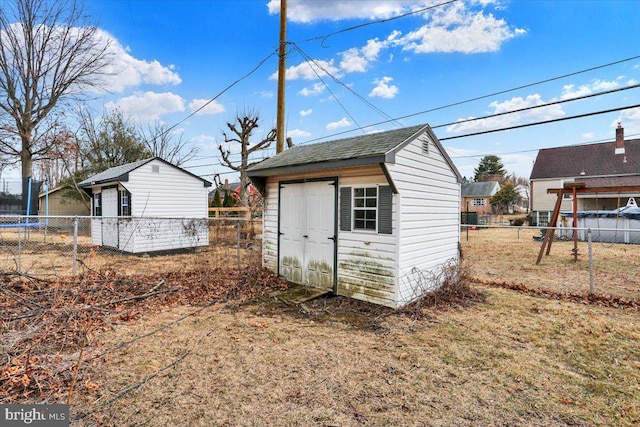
x=214, y=107
x=383, y=89
x=309, y=11
x=630, y=121
x=309, y=70
x=298, y=133
x=342, y=123
x=352, y=61
x=316, y=89
x=588, y=135
x=148, y=106
x=305, y=113
x=206, y=142
x=125, y=71
x=456, y=28
x=571, y=91
x=517, y=103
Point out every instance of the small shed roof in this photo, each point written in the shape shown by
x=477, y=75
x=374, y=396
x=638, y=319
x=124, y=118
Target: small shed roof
x=121, y=173
x=373, y=148
x=480, y=189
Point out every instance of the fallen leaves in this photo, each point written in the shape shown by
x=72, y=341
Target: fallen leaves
x=46, y=324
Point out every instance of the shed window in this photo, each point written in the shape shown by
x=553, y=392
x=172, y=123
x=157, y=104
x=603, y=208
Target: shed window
x=125, y=203
x=97, y=204
x=366, y=208
x=478, y=202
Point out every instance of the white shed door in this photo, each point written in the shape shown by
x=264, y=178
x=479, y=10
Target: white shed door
x=110, y=217
x=307, y=233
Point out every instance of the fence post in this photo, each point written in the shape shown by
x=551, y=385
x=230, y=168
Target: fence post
x=591, y=276
x=238, y=249
x=75, y=244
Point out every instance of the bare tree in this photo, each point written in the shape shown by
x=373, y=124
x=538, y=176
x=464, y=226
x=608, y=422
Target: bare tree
x=167, y=145
x=48, y=54
x=242, y=132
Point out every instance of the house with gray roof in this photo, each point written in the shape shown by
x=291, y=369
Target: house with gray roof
x=375, y=217
x=612, y=165
x=476, y=196
x=148, y=206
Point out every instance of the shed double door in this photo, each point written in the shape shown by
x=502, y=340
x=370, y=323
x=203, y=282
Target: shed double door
x=307, y=239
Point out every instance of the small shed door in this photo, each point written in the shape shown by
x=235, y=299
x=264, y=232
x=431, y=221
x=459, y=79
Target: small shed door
x=307, y=241
x=110, y=217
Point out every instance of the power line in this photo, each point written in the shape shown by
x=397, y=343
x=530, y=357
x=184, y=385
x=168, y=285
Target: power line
x=253, y=70
x=561, y=119
x=381, y=21
x=338, y=81
x=578, y=98
x=502, y=92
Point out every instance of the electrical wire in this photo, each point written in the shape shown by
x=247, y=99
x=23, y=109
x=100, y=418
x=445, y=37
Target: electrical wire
x=561, y=119
x=381, y=21
x=193, y=113
x=338, y=81
x=477, y=98
x=578, y=98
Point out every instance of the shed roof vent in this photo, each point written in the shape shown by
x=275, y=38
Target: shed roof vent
x=155, y=168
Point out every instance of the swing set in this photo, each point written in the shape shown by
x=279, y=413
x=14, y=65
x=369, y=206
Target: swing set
x=575, y=188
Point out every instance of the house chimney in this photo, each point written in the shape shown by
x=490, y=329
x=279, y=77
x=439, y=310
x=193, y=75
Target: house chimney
x=619, y=139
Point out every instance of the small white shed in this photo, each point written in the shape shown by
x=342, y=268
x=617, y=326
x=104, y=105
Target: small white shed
x=373, y=217
x=148, y=206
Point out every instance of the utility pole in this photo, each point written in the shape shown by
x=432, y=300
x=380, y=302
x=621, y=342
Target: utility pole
x=282, y=68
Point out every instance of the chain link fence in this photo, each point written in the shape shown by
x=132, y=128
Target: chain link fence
x=57, y=246
x=601, y=260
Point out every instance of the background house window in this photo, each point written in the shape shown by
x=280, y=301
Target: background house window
x=365, y=208
x=478, y=202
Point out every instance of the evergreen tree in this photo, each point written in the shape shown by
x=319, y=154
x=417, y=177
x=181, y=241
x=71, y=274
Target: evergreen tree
x=490, y=169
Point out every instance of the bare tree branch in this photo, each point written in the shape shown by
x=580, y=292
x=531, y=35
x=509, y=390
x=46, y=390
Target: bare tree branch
x=48, y=53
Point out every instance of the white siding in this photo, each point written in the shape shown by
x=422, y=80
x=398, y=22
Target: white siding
x=169, y=193
x=270, y=227
x=429, y=218
x=367, y=260
x=168, y=211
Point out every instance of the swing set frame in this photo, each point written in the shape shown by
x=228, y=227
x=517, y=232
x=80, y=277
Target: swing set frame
x=574, y=188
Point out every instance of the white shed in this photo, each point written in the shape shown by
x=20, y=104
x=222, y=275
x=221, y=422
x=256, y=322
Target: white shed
x=148, y=206
x=374, y=217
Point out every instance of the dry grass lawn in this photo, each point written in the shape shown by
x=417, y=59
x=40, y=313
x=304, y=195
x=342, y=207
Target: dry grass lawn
x=510, y=254
x=512, y=360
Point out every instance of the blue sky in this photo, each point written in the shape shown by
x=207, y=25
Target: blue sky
x=173, y=56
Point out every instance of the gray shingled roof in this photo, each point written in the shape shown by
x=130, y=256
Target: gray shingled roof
x=362, y=149
x=479, y=189
x=116, y=173
x=120, y=173
x=587, y=160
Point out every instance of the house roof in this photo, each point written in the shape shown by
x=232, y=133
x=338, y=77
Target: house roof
x=480, y=189
x=589, y=160
x=121, y=173
x=374, y=148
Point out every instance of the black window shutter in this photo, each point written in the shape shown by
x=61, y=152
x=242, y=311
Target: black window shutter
x=130, y=209
x=385, y=198
x=119, y=202
x=345, y=209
